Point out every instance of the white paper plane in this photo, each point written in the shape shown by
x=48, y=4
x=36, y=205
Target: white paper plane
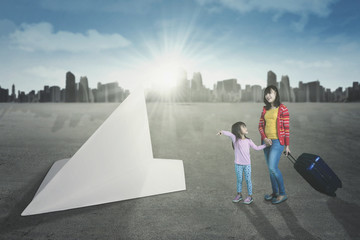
x=116, y=163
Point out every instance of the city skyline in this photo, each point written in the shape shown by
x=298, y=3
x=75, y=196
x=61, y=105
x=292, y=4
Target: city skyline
x=134, y=41
x=184, y=90
x=242, y=83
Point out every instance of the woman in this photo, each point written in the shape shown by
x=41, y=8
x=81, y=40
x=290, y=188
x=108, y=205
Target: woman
x=274, y=129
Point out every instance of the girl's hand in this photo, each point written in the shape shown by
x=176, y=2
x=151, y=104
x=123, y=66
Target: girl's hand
x=268, y=142
x=287, y=150
x=219, y=133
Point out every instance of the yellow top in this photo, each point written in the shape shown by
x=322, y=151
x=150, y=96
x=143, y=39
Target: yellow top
x=270, y=126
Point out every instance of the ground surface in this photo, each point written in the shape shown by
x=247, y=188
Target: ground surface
x=34, y=136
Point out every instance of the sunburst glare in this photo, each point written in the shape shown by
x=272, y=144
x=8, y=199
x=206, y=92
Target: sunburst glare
x=164, y=71
x=169, y=56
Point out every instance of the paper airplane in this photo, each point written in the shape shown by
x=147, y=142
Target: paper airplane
x=116, y=163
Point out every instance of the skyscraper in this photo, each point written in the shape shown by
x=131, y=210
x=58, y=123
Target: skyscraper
x=271, y=79
x=181, y=92
x=13, y=94
x=314, y=91
x=228, y=90
x=70, y=95
x=256, y=93
x=84, y=90
x=4, y=94
x=285, y=89
x=113, y=93
x=231, y=85
x=196, y=82
x=54, y=94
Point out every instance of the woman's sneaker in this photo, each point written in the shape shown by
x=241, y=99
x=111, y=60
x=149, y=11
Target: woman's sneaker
x=238, y=198
x=248, y=200
x=270, y=197
x=279, y=199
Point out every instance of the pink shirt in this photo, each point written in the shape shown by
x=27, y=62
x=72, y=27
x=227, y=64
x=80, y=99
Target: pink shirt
x=242, y=148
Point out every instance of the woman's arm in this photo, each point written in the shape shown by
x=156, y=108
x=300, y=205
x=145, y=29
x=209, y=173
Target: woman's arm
x=262, y=125
x=262, y=128
x=286, y=124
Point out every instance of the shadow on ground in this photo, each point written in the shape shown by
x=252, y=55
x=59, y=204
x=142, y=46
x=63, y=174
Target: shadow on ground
x=347, y=214
x=265, y=228
x=13, y=222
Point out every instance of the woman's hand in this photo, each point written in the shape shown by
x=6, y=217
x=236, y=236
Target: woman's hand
x=287, y=150
x=267, y=141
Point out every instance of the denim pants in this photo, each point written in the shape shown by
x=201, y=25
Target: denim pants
x=239, y=169
x=272, y=157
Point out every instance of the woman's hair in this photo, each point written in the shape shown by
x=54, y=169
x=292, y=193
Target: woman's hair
x=236, y=129
x=277, y=98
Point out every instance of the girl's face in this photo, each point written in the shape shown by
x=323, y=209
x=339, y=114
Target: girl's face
x=243, y=130
x=271, y=96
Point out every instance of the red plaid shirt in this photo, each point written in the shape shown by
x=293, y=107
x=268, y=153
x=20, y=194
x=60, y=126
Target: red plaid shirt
x=282, y=123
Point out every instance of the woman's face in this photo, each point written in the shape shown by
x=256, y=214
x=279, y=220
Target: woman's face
x=271, y=96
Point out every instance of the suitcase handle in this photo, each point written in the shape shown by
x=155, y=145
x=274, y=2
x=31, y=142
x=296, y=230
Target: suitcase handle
x=290, y=157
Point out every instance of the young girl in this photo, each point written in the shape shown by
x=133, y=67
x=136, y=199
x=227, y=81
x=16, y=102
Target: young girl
x=241, y=145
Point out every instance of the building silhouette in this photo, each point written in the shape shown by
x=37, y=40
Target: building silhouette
x=353, y=93
x=256, y=93
x=31, y=96
x=4, y=95
x=109, y=92
x=182, y=89
x=70, y=95
x=185, y=90
x=83, y=92
x=227, y=91
x=198, y=91
x=22, y=96
x=13, y=95
x=271, y=79
x=55, y=94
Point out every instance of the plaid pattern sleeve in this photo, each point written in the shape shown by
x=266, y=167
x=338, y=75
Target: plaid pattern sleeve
x=262, y=124
x=284, y=125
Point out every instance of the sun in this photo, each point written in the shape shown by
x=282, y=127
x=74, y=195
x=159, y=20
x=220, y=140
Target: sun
x=165, y=71
x=163, y=60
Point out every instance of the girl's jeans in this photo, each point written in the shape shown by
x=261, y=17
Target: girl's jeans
x=239, y=169
x=272, y=157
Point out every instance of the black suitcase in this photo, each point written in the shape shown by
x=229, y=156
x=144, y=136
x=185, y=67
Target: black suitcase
x=317, y=173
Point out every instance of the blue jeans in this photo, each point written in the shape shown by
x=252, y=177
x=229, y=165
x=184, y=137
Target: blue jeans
x=272, y=157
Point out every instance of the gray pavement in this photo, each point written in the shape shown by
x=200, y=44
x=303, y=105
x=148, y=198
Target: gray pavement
x=34, y=136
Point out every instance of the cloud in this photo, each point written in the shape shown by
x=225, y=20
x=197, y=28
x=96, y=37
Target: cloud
x=119, y=6
x=6, y=27
x=45, y=72
x=349, y=47
x=307, y=65
x=318, y=7
x=302, y=8
x=343, y=43
x=300, y=25
x=41, y=37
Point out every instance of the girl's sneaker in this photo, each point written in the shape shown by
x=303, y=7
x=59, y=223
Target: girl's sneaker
x=248, y=200
x=238, y=198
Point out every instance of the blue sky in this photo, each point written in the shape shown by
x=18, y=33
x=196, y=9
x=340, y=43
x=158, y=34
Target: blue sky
x=133, y=41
